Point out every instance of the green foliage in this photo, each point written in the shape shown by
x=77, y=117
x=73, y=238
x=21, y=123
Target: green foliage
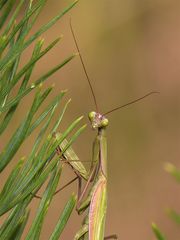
x=30, y=173
x=175, y=173
x=35, y=229
x=157, y=232
x=174, y=216
x=170, y=168
x=63, y=218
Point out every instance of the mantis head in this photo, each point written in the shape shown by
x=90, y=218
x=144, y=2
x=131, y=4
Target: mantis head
x=98, y=120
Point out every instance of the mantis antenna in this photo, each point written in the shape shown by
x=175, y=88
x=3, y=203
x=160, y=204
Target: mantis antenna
x=129, y=103
x=87, y=76
x=90, y=85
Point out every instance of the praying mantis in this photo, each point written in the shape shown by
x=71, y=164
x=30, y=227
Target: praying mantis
x=94, y=223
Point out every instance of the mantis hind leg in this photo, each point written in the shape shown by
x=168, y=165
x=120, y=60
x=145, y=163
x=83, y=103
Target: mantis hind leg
x=63, y=187
x=82, y=234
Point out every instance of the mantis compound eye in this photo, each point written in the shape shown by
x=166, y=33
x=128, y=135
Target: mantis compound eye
x=104, y=122
x=92, y=115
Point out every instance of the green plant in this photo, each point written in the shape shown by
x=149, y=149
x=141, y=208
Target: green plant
x=29, y=174
x=159, y=235
x=175, y=173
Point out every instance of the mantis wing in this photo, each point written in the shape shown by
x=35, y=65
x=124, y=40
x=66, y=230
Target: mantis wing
x=97, y=211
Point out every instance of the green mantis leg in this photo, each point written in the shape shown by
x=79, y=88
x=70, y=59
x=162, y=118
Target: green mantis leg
x=82, y=233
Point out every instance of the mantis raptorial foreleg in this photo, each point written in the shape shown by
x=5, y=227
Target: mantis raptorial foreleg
x=71, y=159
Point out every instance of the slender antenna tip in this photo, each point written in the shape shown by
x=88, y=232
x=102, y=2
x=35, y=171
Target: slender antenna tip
x=156, y=92
x=61, y=36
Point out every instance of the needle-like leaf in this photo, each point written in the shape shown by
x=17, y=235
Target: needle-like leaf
x=35, y=229
x=157, y=232
x=63, y=218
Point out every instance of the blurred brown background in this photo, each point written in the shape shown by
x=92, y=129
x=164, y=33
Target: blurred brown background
x=130, y=48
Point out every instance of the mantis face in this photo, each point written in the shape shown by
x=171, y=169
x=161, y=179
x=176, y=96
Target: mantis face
x=97, y=120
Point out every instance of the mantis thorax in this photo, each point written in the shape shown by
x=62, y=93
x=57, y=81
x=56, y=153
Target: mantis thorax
x=98, y=120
